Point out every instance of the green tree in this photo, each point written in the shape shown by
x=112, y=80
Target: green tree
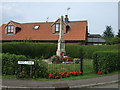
x=108, y=33
x=118, y=33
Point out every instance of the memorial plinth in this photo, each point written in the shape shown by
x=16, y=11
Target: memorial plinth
x=61, y=43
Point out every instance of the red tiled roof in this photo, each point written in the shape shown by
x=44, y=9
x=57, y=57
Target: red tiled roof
x=78, y=31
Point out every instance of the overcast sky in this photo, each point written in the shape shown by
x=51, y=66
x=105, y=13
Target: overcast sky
x=98, y=14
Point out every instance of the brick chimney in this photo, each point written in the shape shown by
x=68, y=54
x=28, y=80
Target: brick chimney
x=66, y=19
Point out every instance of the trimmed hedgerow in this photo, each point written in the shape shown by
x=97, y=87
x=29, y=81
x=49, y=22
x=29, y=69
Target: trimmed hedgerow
x=73, y=50
x=106, y=61
x=46, y=50
x=30, y=49
x=10, y=66
x=88, y=50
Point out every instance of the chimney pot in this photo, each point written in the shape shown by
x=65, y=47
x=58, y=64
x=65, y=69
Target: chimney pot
x=66, y=19
x=66, y=16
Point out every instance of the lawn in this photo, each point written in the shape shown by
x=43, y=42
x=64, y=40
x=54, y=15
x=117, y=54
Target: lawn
x=87, y=67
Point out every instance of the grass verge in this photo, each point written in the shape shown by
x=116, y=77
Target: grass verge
x=85, y=76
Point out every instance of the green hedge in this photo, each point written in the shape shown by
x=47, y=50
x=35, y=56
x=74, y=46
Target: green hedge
x=46, y=50
x=9, y=63
x=88, y=50
x=30, y=49
x=106, y=61
x=10, y=66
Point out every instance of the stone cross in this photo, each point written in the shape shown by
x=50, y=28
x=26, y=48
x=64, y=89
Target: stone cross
x=61, y=43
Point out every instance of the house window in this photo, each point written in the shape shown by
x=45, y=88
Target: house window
x=36, y=27
x=10, y=29
x=57, y=28
x=67, y=28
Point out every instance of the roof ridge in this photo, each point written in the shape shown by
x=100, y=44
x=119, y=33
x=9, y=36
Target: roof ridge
x=79, y=21
x=36, y=22
x=14, y=22
x=50, y=22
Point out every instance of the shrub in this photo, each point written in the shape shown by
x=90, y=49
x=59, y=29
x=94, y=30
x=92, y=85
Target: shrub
x=112, y=41
x=10, y=66
x=106, y=61
x=22, y=74
x=9, y=63
x=40, y=69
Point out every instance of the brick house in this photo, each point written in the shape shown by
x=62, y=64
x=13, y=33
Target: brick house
x=74, y=31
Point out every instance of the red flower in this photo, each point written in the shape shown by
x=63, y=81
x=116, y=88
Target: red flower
x=55, y=73
x=65, y=72
x=70, y=72
x=56, y=77
x=61, y=73
x=75, y=73
x=81, y=72
x=58, y=61
x=51, y=75
x=99, y=73
x=67, y=75
x=66, y=57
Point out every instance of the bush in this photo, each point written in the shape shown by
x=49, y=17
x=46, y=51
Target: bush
x=22, y=74
x=9, y=63
x=10, y=66
x=106, y=61
x=40, y=69
x=112, y=41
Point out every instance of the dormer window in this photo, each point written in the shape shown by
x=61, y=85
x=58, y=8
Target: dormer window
x=36, y=27
x=10, y=29
x=57, y=28
x=67, y=28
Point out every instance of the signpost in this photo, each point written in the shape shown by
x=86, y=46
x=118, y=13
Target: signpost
x=21, y=63
x=81, y=61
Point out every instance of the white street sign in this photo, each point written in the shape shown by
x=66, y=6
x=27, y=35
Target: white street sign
x=26, y=62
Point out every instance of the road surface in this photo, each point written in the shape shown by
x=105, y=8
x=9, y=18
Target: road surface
x=114, y=85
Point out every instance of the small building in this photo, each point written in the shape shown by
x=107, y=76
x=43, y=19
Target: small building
x=74, y=31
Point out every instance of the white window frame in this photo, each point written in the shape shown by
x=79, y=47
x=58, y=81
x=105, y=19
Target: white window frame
x=36, y=27
x=10, y=28
x=57, y=27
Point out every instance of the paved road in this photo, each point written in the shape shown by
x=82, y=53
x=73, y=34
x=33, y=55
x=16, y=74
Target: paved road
x=114, y=85
x=31, y=83
x=26, y=84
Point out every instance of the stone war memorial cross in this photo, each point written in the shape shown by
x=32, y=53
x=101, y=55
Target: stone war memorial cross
x=61, y=43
